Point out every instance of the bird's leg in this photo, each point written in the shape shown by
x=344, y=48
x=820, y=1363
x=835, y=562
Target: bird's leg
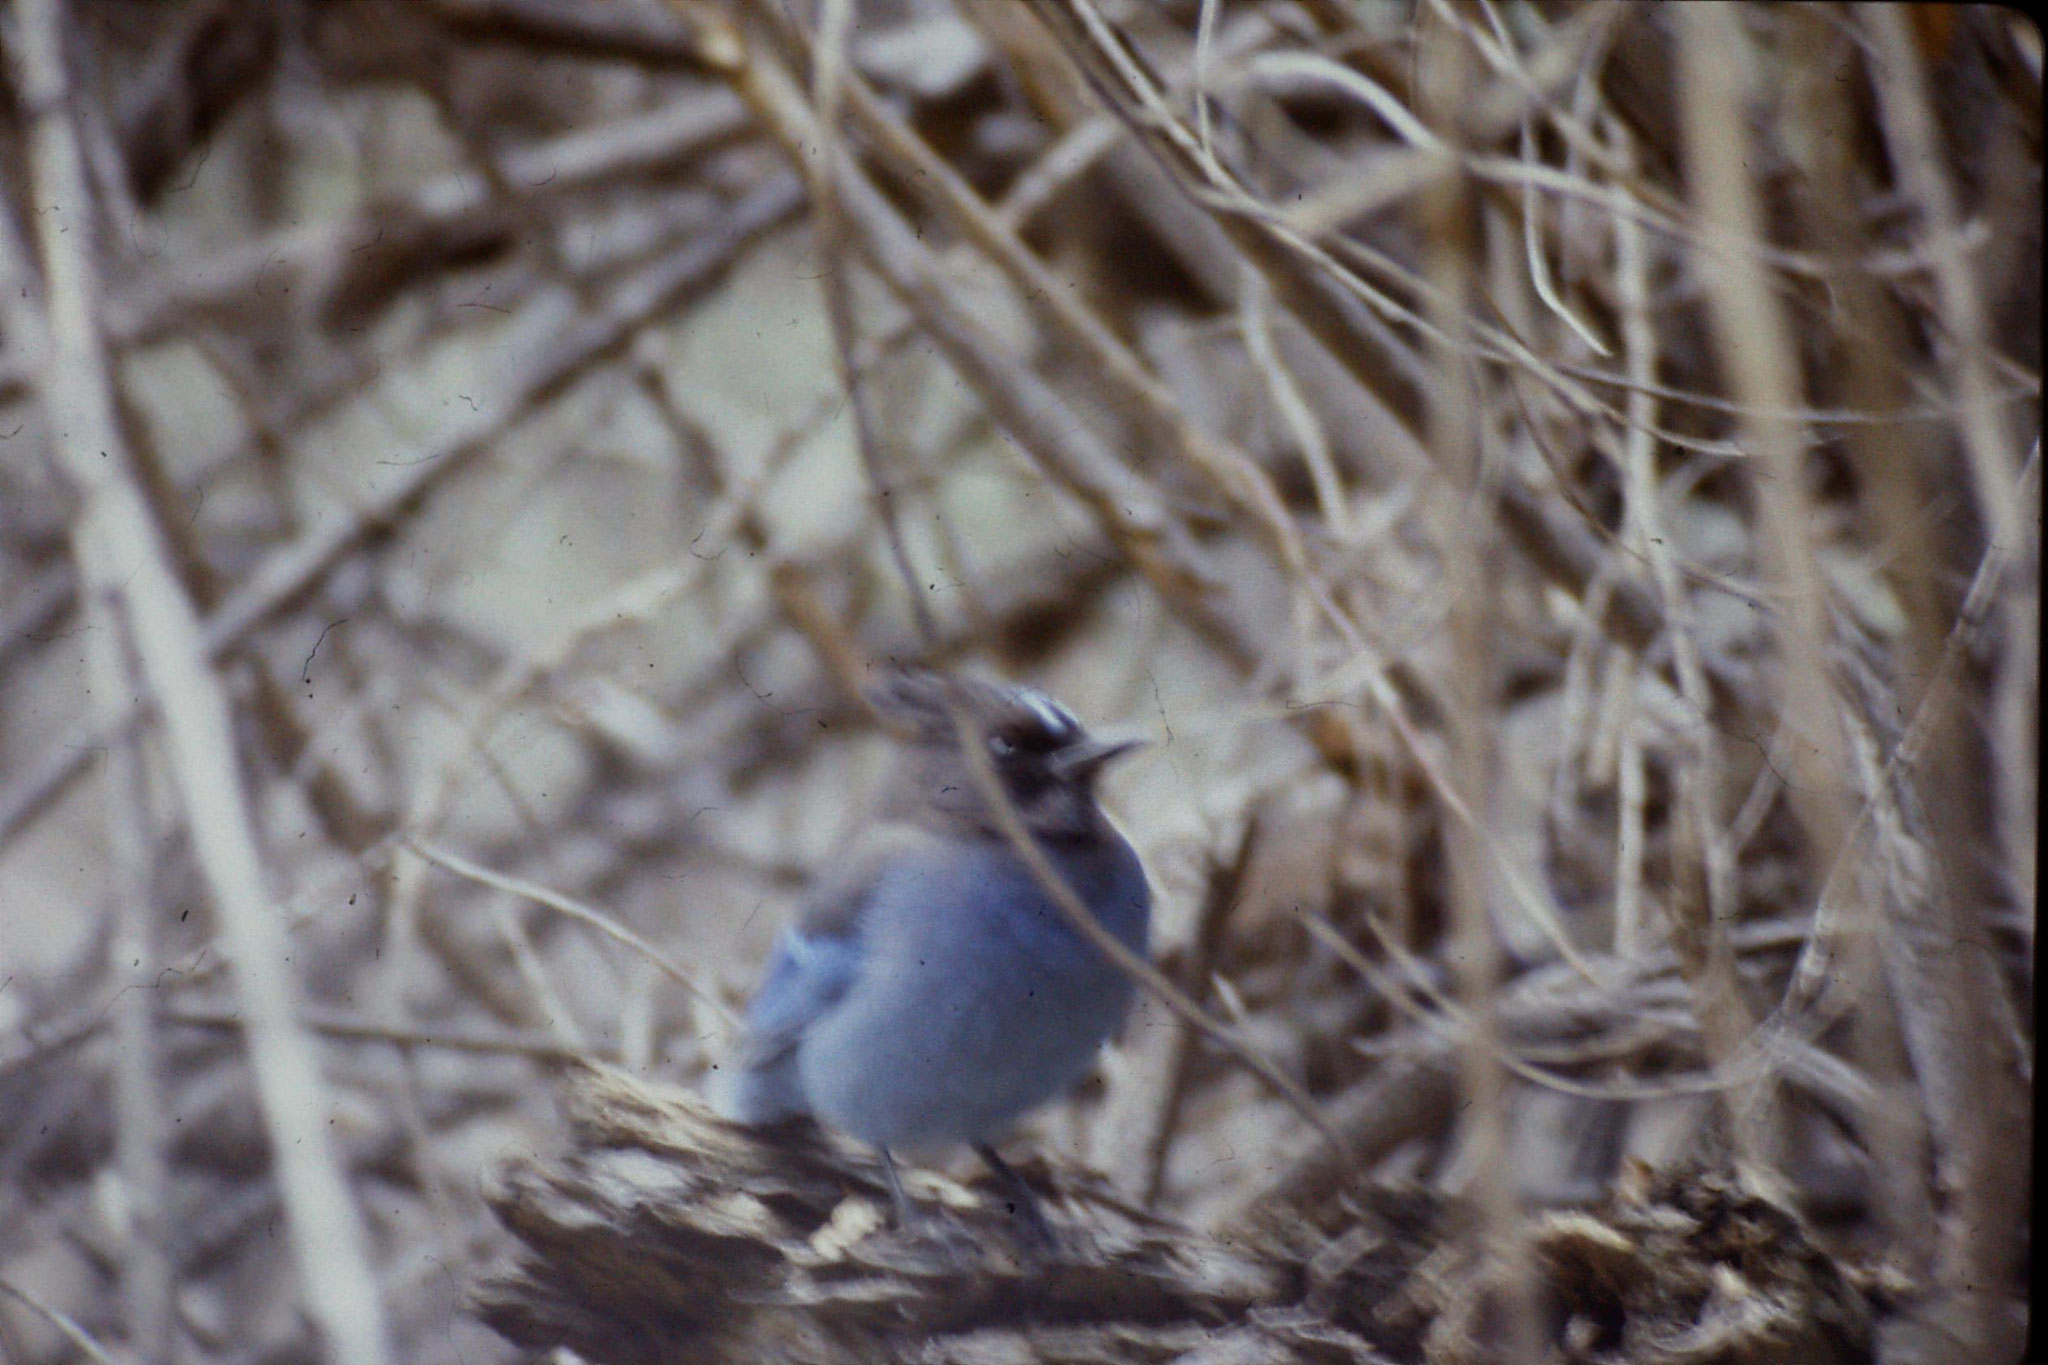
x=1023, y=1203
x=906, y=1213
x=953, y=1245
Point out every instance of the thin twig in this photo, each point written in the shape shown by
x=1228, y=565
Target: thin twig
x=570, y=348
x=119, y=551
x=583, y=914
x=1132, y=512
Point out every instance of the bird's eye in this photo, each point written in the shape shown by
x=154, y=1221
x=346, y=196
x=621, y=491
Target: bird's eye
x=1000, y=747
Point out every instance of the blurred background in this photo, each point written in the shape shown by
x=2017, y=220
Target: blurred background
x=1558, y=486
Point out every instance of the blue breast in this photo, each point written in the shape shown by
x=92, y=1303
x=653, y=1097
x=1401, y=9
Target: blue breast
x=976, y=999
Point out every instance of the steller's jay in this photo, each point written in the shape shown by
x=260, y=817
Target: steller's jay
x=930, y=991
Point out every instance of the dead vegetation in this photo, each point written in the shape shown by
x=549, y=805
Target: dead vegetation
x=1559, y=486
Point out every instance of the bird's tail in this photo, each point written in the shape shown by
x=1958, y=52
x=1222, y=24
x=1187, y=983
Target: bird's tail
x=757, y=1094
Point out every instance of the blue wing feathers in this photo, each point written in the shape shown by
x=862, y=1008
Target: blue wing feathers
x=807, y=975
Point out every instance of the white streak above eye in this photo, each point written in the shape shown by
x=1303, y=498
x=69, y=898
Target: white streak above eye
x=1057, y=720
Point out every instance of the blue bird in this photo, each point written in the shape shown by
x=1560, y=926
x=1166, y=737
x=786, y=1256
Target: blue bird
x=930, y=992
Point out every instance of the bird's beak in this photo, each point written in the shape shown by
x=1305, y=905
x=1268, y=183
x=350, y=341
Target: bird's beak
x=1088, y=757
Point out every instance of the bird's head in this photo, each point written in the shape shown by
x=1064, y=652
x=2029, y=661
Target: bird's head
x=1047, y=763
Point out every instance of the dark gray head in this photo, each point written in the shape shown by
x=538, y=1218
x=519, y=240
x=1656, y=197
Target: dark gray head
x=1046, y=761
